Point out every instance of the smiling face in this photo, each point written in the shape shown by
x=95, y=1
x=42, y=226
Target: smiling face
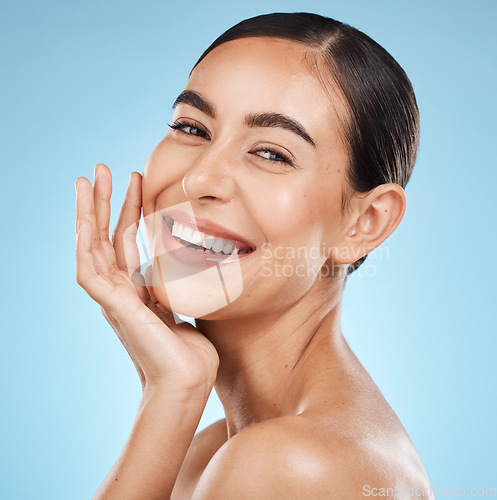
x=254, y=157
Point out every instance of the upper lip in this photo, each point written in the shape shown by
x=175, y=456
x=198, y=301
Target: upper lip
x=209, y=227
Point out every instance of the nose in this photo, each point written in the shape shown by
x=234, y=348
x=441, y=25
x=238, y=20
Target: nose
x=210, y=180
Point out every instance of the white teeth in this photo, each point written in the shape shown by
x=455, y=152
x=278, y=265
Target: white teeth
x=210, y=243
x=187, y=234
x=177, y=230
x=218, y=245
x=228, y=247
x=197, y=237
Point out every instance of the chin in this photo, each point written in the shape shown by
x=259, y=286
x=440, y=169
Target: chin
x=200, y=294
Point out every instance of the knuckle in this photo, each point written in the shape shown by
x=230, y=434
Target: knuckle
x=104, y=233
x=103, y=197
x=116, y=235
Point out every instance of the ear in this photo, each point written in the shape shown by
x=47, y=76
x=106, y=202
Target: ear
x=372, y=220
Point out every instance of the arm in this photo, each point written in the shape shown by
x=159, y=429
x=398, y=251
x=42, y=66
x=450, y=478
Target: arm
x=176, y=364
x=152, y=457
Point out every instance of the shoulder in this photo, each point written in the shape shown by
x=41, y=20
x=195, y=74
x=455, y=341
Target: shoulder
x=287, y=457
x=203, y=446
x=209, y=440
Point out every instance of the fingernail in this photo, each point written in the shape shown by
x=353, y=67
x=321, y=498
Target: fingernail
x=76, y=186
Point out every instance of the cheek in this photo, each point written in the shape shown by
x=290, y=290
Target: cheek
x=298, y=210
x=302, y=222
x=164, y=168
x=281, y=207
x=291, y=228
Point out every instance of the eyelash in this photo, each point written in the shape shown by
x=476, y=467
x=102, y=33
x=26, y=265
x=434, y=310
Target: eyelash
x=180, y=126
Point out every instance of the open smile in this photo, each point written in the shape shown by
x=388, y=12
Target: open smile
x=206, y=238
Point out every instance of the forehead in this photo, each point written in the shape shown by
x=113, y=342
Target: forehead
x=261, y=74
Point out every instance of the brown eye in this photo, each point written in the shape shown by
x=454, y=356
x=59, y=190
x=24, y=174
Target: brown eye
x=273, y=156
x=189, y=129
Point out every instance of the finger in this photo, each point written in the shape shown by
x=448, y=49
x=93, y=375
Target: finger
x=148, y=282
x=86, y=272
x=102, y=191
x=138, y=281
x=85, y=209
x=124, y=237
x=163, y=312
x=85, y=206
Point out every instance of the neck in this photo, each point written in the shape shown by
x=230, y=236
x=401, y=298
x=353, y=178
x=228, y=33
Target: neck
x=272, y=365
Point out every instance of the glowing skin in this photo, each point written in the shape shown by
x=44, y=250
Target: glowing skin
x=280, y=345
x=303, y=417
x=228, y=178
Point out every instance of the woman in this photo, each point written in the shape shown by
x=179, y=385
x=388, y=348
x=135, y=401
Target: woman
x=283, y=168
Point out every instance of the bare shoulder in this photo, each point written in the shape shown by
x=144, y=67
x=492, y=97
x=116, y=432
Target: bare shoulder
x=296, y=457
x=202, y=448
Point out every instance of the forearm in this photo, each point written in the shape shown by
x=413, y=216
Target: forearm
x=151, y=459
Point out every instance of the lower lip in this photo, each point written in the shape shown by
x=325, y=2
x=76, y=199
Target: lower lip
x=193, y=257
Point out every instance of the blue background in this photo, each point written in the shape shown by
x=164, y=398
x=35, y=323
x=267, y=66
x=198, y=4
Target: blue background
x=89, y=82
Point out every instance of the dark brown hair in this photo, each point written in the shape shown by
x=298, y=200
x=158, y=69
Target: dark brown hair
x=382, y=129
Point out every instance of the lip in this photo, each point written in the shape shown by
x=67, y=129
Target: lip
x=211, y=228
x=195, y=258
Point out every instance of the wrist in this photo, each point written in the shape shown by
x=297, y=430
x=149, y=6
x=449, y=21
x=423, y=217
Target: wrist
x=195, y=394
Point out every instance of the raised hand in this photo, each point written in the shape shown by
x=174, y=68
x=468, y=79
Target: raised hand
x=167, y=356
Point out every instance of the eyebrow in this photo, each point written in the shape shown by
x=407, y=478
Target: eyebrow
x=276, y=120
x=197, y=101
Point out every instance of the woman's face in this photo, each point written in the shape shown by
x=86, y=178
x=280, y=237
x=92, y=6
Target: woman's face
x=255, y=149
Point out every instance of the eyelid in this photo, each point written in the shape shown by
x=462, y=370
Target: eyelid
x=187, y=122
x=285, y=160
x=290, y=159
